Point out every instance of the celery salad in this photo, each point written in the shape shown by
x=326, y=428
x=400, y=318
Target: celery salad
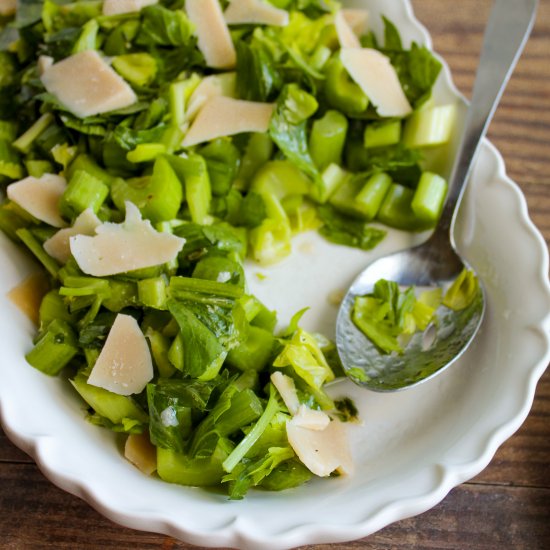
x=146, y=148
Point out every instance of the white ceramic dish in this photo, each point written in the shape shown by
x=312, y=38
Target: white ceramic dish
x=413, y=447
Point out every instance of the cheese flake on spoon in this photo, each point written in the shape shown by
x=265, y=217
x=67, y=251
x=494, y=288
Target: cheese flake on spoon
x=376, y=76
x=124, y=365
x=119, y=248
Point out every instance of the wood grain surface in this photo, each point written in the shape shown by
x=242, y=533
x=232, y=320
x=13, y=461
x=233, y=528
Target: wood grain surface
x=507, y=506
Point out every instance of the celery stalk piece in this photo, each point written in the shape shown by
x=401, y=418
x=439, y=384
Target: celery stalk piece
x=88, y=37
x=193, y=171
x=10, y=165
x=176, y=353
x=280, y=178
x=429, y=197
x=179, y=468
x=463, y=291
x=152, y=292
x=24, y=142
x=116, y=408
x=8, y=130
x=179, y=94
x=259, y=150
x=372, y=194
x=11, y=221
x=160, y=346
x=327, y=139
x=55, y=348
x=53, y=307
x=382, y=134
x=396, y=210
x=430, y=126
x=146, y=152
x=255, y=352
x=86, y=163
x=37, y=168
x=84, y=191
x=340, y=90
x=139, y=69
x=332, y=178
x=158, y=196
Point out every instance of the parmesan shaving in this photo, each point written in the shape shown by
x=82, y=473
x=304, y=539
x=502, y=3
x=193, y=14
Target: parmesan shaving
x=8, y=7
x=141, y=453
x=215, y=85
x=224, y=116
x=255, y=11
x=311, y=419
x=321, y=451
x=376, y=76
x=119, y=248
x=86, y=85
x=357, y=19
x=28, y=295
x=124, y=365
x=287, y=390
x=214, y=39
x=346, y=37
x=58, y=245
x=118, y=7
x=40, y=197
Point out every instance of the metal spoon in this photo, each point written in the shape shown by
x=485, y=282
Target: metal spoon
x=437, y=262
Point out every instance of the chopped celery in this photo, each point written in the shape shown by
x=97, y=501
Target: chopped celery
x=382, y=134
x=55, y=348
x=116, y=408
x=429, y=197
x=152, y=292
x=254, y=352
x=327, y=138
x=84, y=191
x=429, y=127
x=280, y=178
x=341, y=92
x=463, y=291
x=34, y=245
x=332, y=178
x=24, y=142
x=396, y=210
x=158, y=196
x=146, y=152
x=138, y=68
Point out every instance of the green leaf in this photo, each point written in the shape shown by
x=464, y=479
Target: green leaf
x=163, y=27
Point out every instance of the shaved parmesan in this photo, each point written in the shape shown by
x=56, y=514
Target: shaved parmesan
x=117, y=7
x=286, y=388
x=124, y=365
x=224, y=116
x=86, y=85
x=141, y=453
x=321, y=451
x=216, y=85
x=255, y=11
x=44, y=63
x=8, y=7
x=58, y=246
x=357, y=19
x=28, y=295
x=40, y=197
x=119, y=248
x=311, y=419
x=214, y=39
x=346, y=37
x=378, y=79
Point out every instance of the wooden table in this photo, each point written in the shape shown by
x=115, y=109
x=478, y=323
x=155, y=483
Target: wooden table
x=508, y=505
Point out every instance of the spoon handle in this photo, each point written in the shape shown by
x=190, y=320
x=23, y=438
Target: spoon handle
x=509, y=26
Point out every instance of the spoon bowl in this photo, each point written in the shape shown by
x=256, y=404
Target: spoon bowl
x=436, y=263
x=426, y=354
